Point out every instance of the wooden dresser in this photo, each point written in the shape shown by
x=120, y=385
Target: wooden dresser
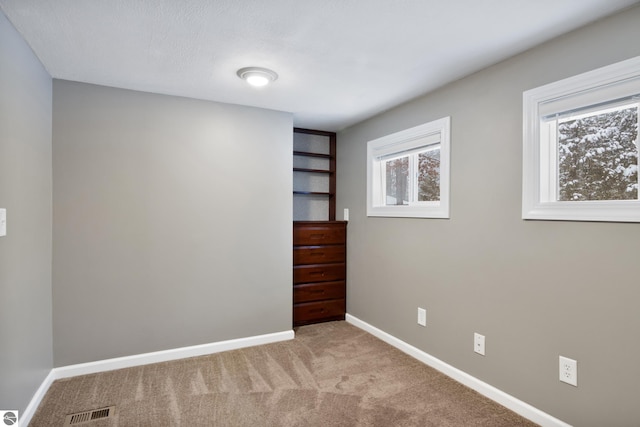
x=319, y=271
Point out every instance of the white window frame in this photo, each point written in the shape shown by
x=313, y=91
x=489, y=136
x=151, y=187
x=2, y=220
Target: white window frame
x=407, y=141
x=539, y=183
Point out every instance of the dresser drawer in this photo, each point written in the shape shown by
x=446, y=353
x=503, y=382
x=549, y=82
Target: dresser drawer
x=318, y=291
x=318, y=254
x=324, y=310
x=318, y=273
x=319, y=234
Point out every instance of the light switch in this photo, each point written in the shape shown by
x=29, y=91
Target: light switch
x=3, y=222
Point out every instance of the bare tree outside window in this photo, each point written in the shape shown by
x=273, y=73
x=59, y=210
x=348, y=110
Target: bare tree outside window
x=429, y=176
x=397, y=181
x=598, y=156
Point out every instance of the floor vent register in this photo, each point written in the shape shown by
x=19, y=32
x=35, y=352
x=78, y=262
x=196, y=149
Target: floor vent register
x=85, y=417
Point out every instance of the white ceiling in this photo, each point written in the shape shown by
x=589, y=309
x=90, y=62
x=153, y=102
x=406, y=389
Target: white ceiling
x=339, y=61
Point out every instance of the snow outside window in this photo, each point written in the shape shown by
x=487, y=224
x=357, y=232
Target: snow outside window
x=408, y=172
x=580, y=158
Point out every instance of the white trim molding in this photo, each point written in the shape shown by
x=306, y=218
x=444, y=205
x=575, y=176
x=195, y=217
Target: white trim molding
x=145, y=359
x=518, y=406
x=167, y=355
x=595, y=89
x=27, y=414
x=409, y=143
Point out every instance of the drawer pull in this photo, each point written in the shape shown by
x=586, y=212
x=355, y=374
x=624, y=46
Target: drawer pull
x=317, y=254
x=317, y=291
x=316, y=236
x=316, y=273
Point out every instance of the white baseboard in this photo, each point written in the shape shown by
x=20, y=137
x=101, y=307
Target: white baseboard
x=172, y=354
x=145, y=359
x=504, y=399
x=516, y=405
x=27, y=414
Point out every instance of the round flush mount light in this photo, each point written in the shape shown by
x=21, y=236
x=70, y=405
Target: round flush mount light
x=257, y=76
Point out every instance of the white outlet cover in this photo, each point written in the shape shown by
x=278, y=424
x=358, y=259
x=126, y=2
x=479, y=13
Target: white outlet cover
x=478, y=343
x=3, y=222
x=568, y=371
x=422, y=317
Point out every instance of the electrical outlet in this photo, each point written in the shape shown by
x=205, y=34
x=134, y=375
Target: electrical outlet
x=3, y=222
x=569, y=371
x=478, y=343
x=422, y=317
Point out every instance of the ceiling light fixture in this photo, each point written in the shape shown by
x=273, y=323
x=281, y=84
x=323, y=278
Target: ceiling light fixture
x=257, y=76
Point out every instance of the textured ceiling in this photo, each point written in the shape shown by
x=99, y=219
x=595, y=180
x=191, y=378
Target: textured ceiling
x=339, y=61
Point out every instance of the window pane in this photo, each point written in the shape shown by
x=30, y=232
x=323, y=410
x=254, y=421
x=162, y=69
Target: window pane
x=429, y=176
x=598, y=156
x=397, y=181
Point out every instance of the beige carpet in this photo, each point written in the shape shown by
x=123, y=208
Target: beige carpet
x=331, y=374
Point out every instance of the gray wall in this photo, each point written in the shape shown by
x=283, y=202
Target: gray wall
x=25, y=191
x=171, y=222
x=535, y=289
